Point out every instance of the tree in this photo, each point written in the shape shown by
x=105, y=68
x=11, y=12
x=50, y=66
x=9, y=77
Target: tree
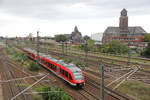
x=147, y=38
x=60, y=38
x=53, y=93
x=33, y=67
x=86, y=37
x=114, y=47
x=146, y=52
x=90, y=43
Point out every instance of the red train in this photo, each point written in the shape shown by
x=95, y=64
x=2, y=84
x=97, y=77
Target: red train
x=68, y=72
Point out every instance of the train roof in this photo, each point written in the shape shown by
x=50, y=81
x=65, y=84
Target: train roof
x=72, y=67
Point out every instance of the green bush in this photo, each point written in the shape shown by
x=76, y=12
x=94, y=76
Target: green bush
x=114, y=47
x=146, y=52
x=33, y=67
x=67, y=60
x=53, y=93
x=80, y=64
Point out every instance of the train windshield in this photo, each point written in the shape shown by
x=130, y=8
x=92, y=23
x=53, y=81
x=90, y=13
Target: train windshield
x=78, y=76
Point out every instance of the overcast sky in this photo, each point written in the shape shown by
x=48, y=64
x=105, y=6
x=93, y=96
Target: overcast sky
x=21, y=17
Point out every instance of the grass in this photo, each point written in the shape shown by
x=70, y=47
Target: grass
x=136, y=90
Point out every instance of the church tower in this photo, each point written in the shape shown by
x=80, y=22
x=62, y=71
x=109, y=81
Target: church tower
x=123, y=25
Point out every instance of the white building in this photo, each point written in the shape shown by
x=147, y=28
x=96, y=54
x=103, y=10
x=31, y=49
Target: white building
x=97, y=36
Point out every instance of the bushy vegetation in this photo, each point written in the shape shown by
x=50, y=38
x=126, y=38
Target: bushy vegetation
x=114, y=47
x=67, y=60
x=146, y=52
x=60, y=38
x=80, y=64
x=90, y=45
x=147, y=38
x=33, y=67
x=55, y=93
x=137, y=90
x=16, y=56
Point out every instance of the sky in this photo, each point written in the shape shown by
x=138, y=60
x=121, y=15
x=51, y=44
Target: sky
x=50, y=17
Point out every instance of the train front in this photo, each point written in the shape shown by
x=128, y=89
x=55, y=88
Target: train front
x=79, y=79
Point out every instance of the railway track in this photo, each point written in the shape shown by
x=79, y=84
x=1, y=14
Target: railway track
x=111, y=66
x=80, y=94
x=13, y=86
x=109, y=92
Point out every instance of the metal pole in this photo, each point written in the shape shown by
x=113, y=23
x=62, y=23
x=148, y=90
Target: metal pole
x=66, y=48
x=37, y=48
x=86, y=54
x=129, y=51
x=62, y=49
x=6, y=42
x=102, y=82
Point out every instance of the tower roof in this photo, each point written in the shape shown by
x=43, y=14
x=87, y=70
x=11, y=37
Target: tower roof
x=76, y=29
x=124, y=12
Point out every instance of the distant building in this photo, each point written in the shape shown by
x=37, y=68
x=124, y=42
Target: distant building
x=124, y=33
x=96, y=36
x=76, y=36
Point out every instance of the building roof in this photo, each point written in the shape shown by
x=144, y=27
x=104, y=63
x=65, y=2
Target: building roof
x=116, y=30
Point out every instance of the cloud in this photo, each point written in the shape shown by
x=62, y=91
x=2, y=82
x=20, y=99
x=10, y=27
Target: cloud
x=56, y=16
x=73, y=9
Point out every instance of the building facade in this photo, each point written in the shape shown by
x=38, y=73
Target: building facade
x=123, y=33
x=76, y=36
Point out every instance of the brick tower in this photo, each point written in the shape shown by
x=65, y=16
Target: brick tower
x=123, y=25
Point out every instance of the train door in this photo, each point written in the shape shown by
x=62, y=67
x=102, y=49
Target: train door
x=70, y=78
x=57, y=69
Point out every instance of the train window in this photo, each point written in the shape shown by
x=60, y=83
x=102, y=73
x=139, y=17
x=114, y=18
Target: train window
x=60, y=70
x=54, y=67
x=49, y=64
x=70, y=77
x=63, y=72
x=66, y=74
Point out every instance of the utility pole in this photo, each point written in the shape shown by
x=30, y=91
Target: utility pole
x=86, y=53
x=37, y=48
x=102, y=81
x=66, y=48
x=62, y=49
x=129, y=49
x=6, y=42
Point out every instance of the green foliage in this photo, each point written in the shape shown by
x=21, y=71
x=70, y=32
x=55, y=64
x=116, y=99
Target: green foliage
x=33, y=67
x=80, y=64
x=114, y=47
x=136, y=89
x=16, y=56
x=86, y=37
x=90, y=43
x=146, y=52
x=60, y=38
x=147, y=38
x=67, y=60
x=53, y=93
